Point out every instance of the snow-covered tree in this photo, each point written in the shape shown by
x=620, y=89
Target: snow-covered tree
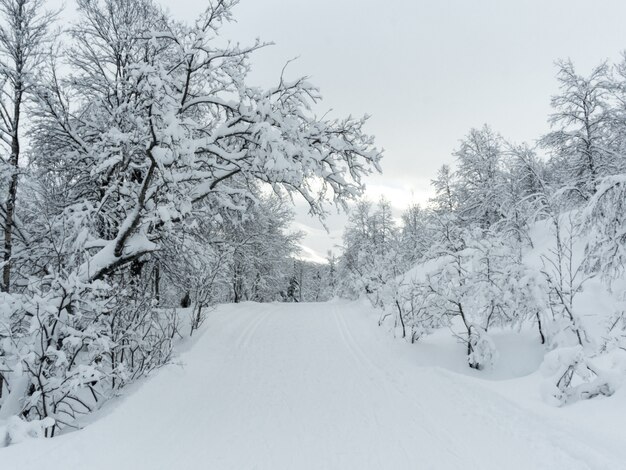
x=445, y=199
x=479, y=178
x=581, y=121
x=157, y=117
x=604, y=217
x=413, y=235
x=521, y=193
x=371, y=255
x=25, y=41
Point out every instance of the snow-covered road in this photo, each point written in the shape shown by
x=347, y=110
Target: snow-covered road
x=311, y=386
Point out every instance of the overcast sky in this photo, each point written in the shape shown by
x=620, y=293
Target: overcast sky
x=426, y=71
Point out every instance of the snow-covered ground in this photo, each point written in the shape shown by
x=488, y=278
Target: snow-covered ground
x=320, y=386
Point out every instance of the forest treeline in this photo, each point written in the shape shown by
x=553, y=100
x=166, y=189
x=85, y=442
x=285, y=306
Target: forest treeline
x=514, y=237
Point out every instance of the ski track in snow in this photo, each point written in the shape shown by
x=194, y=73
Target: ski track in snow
x=310, y=386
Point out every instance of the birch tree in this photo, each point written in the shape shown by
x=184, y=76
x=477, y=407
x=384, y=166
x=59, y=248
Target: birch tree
x=580, y=121
x=24, y=46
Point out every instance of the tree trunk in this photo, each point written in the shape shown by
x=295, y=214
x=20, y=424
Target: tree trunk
x=12, y=196
x=157, y=282
x=401, y=319
x=543, y=338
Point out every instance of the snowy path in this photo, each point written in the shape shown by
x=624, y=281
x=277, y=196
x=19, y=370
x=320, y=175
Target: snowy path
x=310, y=386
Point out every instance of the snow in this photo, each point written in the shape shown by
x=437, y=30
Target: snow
x=320, y=386
x=309, y=255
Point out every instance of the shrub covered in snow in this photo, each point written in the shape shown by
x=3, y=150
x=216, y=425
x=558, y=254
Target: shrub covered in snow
x=17, y=430
x=570, y=375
